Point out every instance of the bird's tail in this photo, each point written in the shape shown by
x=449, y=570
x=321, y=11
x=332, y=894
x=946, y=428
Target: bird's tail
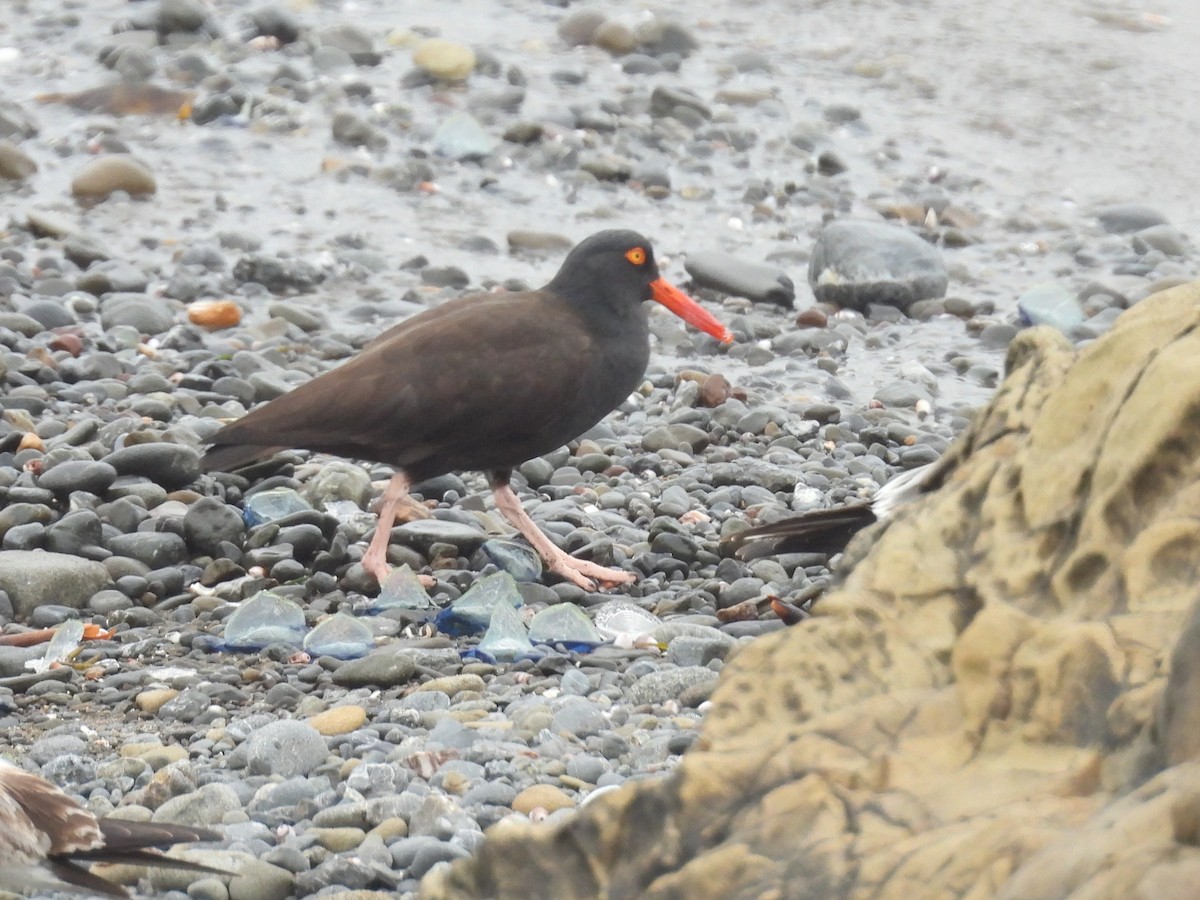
x=226, y=457
x=819, y=531
x=130, y=843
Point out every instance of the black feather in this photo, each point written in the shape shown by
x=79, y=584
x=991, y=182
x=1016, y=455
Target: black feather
x=821, y=531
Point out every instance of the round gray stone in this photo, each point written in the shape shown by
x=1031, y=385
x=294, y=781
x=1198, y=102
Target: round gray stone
x=170, y=465
x=208, y=522
x=155, y=549
x=32, y=578
x=854, y=264
x=285, y=748
x=78, y=475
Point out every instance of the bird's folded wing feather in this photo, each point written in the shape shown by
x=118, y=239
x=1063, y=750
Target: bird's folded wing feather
x=819, y=531
x=429, y=377
x=34, y=813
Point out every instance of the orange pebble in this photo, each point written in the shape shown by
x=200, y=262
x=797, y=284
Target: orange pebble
x=214, y=313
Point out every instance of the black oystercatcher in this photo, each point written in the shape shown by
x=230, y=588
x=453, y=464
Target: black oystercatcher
x=829, y=530
x=46, y=839
x=484, y=382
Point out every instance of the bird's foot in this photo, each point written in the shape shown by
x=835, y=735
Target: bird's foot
x=375, y=561
x=586, y=574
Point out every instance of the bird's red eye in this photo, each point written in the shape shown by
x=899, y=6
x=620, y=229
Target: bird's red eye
x=637, y=256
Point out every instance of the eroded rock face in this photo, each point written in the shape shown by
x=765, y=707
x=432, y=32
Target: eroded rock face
x=1000, y=701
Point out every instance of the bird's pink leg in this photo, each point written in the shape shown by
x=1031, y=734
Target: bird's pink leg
x=580, y=571
x=375, y=559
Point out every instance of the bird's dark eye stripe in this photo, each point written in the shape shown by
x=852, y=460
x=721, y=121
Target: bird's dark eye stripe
x=637, y=255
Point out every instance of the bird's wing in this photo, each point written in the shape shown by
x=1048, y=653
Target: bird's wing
x=42, y=825
x=471, y=361
x=42, y=819
x=818, y=531
x=829, y=530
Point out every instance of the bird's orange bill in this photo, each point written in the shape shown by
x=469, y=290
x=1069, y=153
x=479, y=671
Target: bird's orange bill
x=688, y=309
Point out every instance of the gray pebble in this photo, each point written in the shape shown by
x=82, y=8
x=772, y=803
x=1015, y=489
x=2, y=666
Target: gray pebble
x=665, y=101
x=741, y=278
x=13, y=659
x=671, y=437
x=170, y=465
x=15, y=164
x=78, y=475
x=352, y=39
x=1124, y=218
x=903, y=394
x=1163, y=238
x=155, y=549
x=690, y=650
x=208, y=523
x=277, y=21
x=77, y=532
x=381, y=669
x=424, y=533
x=352, y=130
x=145, y=314
x=578, y=717
x=417, y=855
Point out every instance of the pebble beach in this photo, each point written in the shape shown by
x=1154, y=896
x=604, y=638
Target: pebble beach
x=208, y=203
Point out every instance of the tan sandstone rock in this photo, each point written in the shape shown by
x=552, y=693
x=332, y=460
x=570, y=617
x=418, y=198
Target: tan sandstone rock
x=999, y=701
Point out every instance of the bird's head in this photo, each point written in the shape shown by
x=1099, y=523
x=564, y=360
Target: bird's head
x=617, y=269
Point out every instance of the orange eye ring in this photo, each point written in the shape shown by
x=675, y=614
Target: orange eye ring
x=637, y=256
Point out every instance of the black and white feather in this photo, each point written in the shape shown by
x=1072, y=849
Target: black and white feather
x=829, y=530
x=47, y=839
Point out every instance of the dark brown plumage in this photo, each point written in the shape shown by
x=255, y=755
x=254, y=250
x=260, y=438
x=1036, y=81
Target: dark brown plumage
x=47, y=838
x=483, y=382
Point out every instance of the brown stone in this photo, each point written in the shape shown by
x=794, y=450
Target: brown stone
x=813, y=317
x=715, y=390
